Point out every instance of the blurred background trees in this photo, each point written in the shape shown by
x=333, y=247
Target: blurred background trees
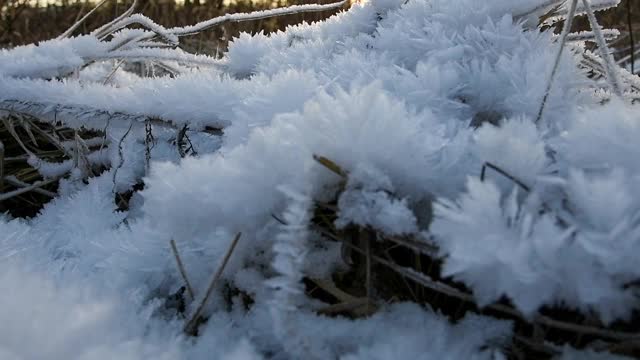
x=30, y=21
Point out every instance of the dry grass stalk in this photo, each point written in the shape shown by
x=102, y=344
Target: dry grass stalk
x=556, y=64
x=191, y=327
x=330, y=165
x=181, y=269
x=38, y=184
x=15, y=182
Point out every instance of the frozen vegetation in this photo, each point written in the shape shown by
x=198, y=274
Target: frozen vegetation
x=452, y=123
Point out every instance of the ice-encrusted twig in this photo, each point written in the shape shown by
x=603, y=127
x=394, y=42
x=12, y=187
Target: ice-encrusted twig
x=607, y=57
x=251, y=16
x=608, y=34
x=70, y=114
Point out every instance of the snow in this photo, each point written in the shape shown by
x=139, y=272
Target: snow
x=410, y=99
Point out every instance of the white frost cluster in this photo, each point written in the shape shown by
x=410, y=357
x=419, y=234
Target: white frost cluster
x=410, y=99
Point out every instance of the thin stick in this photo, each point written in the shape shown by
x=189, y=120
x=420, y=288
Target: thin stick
x=192, y=325
x=563, y=40
x=183, y=272
x=367, y=250
x=503, y=173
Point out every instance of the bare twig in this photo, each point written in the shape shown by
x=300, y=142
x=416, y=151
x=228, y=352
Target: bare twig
x=182, y=270
x=191, y=326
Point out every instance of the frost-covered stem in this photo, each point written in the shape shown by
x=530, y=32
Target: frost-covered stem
x=192, y=325
x=610, y=65
x=290, y=251
x=73, y=27
x=15, y=182
x=255, y=15
x=556, y=64
x=139, y=19
x=37, y=184
x=609, y=34
x=106, y=28
x=120, y=157
x=113, y=71
x=181, y=269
